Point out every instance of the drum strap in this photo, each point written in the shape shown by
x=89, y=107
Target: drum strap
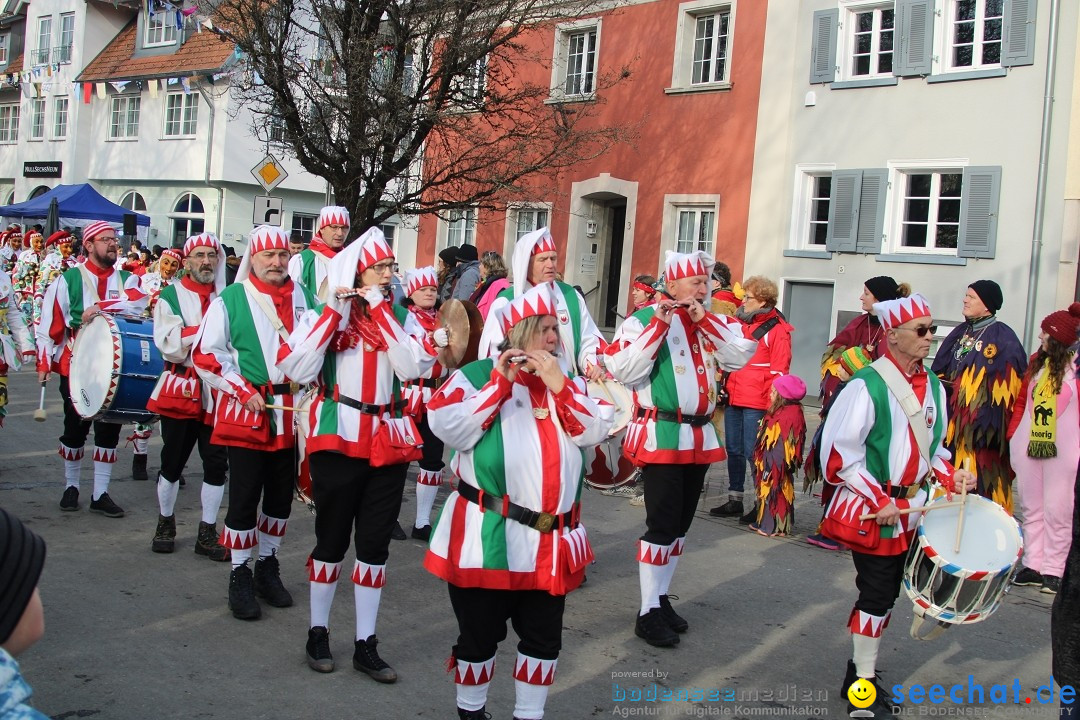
x=910, y=404
x=267, y=310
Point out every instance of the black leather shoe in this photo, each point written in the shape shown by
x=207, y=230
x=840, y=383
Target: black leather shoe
x=397, y=533
x=165, y=535
x=242, y=600
x=106, y=506
x=480, y=714
x=653, y=629
x=366, y=659
x=750, y=517
x=208, y=544
x=675, y=621
x=423, y=533
x=319, y=658
x=729, y=509
x=69, y=502
x=268, y=582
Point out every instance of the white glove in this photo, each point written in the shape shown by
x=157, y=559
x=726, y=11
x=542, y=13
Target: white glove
x=374, y=296
x=441, y=337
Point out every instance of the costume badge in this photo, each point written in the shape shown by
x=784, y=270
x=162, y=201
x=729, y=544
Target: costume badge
x=675, y=341
x=680, y=369
x=930, y=417
x=114, y=294
x=990, y=351
x=700, y=370
x=540, y=413
x=564, y=317
x=368, y=347
x=298, y=312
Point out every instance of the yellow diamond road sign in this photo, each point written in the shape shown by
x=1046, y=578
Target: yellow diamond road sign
x=269, y=173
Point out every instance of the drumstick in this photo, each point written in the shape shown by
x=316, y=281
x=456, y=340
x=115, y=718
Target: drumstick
x=603, y=386
x=908, y=511
x=281, y=407
x=963, y=504
x=39, y=414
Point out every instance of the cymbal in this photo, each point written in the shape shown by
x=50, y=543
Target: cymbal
x=464, y=324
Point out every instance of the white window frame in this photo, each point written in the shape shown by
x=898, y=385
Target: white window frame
x=160, y=30
x=452, y=218
x=894, y=202
x=845, y=42
x=42, y=55
x=132, y=206
x=37, y=119
x=307, y=222
x=188, y=218
x=944, y=28
x=121, y=105
x=188, y=118
x=9, y=123
x=674, y=205
x=682, y=67
x=805, y=177
x=62, y=51
x=510, y=226
x=470, y=88
x=5, y=40
x=389, y=231
x=61, y=109
x=561, y=55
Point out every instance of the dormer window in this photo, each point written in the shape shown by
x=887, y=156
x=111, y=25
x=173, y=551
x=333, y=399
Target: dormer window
x=5, y=39
x=160, y=29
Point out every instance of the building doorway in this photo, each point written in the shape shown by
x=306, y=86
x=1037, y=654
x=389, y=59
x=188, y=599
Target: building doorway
x=808, y=307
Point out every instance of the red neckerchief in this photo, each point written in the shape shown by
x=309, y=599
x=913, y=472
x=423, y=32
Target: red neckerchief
x=360, y=327
x=917, y=379
x=427, y=318
x=102, y=275
x=317, y=245
x=282, y=298
x=203, y=290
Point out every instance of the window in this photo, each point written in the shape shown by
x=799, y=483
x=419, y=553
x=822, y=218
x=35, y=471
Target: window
x=529, y=219
x=305, y=225
x=124, y=119
x=817, y=220
x=181, y=114
x=974, y=31
x=37, y=118
x=44, y=47
x=389, y=231
x=62, y=54
x=187, y=218
x=712, y=42
x=470, y=86
x=10, y=198
x=275, y=129
x=694, y=230
x=930, y=210
x=60, y=118
x=460, y=228
x=703, y=41
x=9, y=123
x=159, y=31
x=4, y=41
x=574, y=62
x=871, y=42
x=133, y=201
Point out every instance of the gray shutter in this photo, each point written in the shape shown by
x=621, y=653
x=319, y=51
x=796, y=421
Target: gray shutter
x=843, y=211
x=915, y=33
x=871, y=226
x=979, y=212
x=823, y=46
x=1018, y=33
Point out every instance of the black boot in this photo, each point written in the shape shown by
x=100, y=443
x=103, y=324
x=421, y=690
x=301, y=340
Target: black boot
x=750, y=517
x=366, y=659
x=653, y=629
x=207, y=544
x=138, y=468
x=729, y=509
x=165, y=535
x=480, y=714
x=319, y=658
x=675, y=621
x=268, y=582
x=879, y=709
x=242, y=600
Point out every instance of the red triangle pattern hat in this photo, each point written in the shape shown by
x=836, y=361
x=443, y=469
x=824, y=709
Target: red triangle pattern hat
x=268, y=237
x=174, y=254
x=201, y=240
x=95, y=228
x=421, y=278
x=537, y=300
x=894, y=313
x=373, y=249
x=333, y=215
x=679, y=265
x=544, y=243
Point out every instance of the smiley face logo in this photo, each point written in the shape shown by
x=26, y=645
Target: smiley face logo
x=862, y=693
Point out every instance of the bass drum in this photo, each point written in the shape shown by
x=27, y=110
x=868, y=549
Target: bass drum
x=302, y=418
x=605, y=465
x=114, y=368
x=614, y=392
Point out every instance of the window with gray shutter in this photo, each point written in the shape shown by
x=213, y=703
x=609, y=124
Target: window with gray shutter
x=1019, y=33
x=823, y=46
x=844, y=211
x=871, y=227
x=915, y=37
x=979, y=212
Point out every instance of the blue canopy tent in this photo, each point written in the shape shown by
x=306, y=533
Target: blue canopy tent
x=78, y=205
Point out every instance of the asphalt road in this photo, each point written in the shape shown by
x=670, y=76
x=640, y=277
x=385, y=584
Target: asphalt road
x=133, y=635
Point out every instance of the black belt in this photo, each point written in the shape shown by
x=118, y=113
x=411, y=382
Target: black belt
x=368, y=408
x=675, y=417
x=906, y=491
x=544, y=522
x=176, y=367
x=282, y=389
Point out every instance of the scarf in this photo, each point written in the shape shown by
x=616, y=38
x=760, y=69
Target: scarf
x=360, y=328
x=1041, y=441
x=751, y=316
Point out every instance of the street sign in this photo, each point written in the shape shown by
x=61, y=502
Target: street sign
x=267, y=210
x=269, y=172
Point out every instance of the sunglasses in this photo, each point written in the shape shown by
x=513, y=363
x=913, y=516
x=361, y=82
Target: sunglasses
x=921, y=331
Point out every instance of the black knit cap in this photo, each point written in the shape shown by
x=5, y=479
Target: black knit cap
x=883, y=288
x=449, y=255
x=989, y=292
x=22, y=555
x=466, y=253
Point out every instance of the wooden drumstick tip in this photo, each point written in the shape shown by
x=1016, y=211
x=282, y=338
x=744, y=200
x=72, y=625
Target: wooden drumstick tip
x=40, y=415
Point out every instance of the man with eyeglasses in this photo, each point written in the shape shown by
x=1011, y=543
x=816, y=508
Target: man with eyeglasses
x=236, y=351
x=79, y=294
x=310, y=266
x=882, y=461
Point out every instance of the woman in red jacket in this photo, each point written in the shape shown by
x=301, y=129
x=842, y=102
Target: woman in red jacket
x=749, y=389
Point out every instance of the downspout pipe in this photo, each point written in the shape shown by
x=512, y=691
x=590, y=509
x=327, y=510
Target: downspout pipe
x=1040, y=187
x=209, y=157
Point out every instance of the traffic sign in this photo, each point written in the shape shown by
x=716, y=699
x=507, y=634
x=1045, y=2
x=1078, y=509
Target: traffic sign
x=269, y=172
x=267, y=210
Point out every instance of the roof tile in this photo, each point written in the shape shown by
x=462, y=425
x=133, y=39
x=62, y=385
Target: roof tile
x=203, y=53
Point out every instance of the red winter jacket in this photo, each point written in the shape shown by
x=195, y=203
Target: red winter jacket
x=751, y=386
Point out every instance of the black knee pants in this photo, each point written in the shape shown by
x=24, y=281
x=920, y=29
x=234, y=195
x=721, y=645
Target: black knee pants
x=267, y=473
x=106, y=434
x=351, y=496
x=482, y=614
x=878, y=579
x=179, y=438
x=672, y=493
x=433, y=447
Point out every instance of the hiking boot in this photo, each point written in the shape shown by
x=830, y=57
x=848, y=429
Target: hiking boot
x=1050, y=585
x=880, y=709
x=138, y=468
x=207, y=544
x=165, y=536
x=398, y=533
x=268, y=582
x=1027, y=576
x=729, y=509
x=366, y=659
x=654, y=629
x=675, y=621
x=319, y=658
x=422, y=533
x=749, y=518
x=480, y=714
x=69, y=501
x=106, y=506
x=242, y=600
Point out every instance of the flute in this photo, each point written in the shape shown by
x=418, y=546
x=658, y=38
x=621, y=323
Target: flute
x=355, y=293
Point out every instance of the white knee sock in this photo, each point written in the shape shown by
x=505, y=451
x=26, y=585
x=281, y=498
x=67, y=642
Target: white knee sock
x=669, y=572
x=72, y=465
x=529, y=700
x=239, y=557
x=865, y=652
x=166, y=494
x=322, y=598
x=472, y=697
x=367, y=609
x=425, y=500
x=649, y=579
x=271, y=532
x=104, y=458
x=211, y=502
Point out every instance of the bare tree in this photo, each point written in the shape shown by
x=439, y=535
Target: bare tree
x=413, y=106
